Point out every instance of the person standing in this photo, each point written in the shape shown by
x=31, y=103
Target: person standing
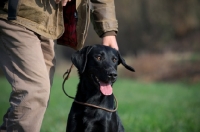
x=28, y=33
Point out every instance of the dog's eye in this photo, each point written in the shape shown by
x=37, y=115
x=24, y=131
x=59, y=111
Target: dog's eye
x=114, y=59
x=98, y=58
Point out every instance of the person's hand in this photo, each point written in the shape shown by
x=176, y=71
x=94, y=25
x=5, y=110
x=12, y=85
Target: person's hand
x=110, y=41
x=64, y=2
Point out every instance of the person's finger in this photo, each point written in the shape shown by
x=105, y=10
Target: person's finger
x=57, y=1
x=64, y=2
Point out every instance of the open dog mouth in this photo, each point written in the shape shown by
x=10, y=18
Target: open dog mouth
x=105, y=88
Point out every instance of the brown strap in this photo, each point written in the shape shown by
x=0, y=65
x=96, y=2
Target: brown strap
x=66, y=77
x=98, y=107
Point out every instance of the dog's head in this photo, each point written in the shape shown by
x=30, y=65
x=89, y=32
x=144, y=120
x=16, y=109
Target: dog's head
x=100, y=63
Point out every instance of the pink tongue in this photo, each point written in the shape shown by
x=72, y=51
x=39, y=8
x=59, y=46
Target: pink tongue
x=105, y=88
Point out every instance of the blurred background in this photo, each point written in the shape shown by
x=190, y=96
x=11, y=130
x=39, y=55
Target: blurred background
x=161, y=40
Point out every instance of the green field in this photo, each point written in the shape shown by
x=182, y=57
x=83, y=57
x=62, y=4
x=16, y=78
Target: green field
x=143, y=107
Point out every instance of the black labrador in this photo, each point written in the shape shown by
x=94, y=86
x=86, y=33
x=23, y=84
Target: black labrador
x=97, y=68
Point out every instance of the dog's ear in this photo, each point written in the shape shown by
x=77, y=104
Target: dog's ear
x=79, y=58
x=122, y=61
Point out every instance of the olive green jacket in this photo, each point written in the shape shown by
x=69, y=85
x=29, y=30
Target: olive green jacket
x=45, y=17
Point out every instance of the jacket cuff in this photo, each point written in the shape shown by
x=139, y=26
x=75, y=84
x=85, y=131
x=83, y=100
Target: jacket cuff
x=106, y=26
x=109, y=33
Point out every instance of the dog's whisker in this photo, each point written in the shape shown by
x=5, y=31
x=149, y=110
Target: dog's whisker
x=97, y=79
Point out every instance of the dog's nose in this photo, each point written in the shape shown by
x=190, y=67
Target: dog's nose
x=112, y=75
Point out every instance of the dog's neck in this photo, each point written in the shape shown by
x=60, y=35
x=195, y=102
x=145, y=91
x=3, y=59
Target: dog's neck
x=89, y=92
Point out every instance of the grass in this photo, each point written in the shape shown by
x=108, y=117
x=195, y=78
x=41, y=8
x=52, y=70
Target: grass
x=143, y=107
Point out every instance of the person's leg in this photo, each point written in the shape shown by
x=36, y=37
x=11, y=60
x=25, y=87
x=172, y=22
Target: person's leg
x=48, y=49
x=23, y=62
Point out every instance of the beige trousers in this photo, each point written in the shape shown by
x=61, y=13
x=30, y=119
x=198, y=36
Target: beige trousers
x=28, y=62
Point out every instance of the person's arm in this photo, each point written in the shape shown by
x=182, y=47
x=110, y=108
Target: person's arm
x=104, y=21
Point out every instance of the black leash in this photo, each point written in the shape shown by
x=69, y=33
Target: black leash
x=66, y=77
